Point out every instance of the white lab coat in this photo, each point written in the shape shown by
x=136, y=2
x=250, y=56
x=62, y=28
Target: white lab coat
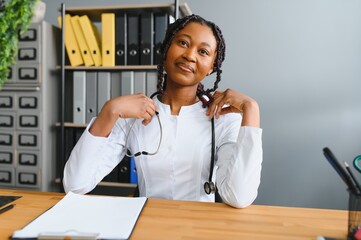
x=182, y=164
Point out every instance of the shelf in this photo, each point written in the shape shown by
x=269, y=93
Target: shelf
x=73, y=130
x=129, y=67
x=95, y=12
x=108, y=184
x=72, y=125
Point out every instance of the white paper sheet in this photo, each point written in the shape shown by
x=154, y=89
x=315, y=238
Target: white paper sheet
x=102, y=216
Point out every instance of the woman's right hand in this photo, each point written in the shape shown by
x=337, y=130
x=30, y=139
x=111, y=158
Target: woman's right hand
x=133, y=106
x=129, y=106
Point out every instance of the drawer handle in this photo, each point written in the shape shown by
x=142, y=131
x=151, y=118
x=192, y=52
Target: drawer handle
x=32, y=89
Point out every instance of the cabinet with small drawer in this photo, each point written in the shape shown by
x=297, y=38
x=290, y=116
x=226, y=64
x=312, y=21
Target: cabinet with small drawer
x=28, y=111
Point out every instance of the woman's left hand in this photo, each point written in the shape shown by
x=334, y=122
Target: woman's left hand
x=231, y=101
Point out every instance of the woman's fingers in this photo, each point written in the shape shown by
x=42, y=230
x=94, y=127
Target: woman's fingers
x=215, y=108
x=136, y=106
x=221, y=101
x=212, y=107
x=225, y=102
x=148, y=115
x=147, y=118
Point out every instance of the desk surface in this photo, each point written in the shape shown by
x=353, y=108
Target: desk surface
x=166, y=219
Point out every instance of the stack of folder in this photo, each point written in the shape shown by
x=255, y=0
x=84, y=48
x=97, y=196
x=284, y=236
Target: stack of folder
x=92, y=39
x=108, y=39
x=127, y=38
x=80, y=37
x=71, y=44
x=82, y=41
x=91, y=89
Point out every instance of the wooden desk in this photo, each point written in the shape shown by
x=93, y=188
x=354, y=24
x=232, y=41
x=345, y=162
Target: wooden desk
x=166, y=219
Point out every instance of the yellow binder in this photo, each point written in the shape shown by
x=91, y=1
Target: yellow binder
x=108, y=39
x=92, y=39
x=85, y=53
x=71, y=45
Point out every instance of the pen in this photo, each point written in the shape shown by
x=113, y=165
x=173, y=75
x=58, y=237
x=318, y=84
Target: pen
x=6, y=208
x=352, y=176
x=339, y=169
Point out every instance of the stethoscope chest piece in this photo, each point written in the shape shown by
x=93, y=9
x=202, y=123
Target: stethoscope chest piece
x=209, y=187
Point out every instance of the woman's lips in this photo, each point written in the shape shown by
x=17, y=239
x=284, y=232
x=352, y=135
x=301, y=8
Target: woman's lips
x=185, y=67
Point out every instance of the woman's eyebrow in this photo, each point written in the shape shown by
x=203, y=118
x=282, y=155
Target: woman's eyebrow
x=190, y=37
x=184, y=35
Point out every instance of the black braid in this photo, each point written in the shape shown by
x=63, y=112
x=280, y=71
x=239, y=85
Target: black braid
x=221, y=48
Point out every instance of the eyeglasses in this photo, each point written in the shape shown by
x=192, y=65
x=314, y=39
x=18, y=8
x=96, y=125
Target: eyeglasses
x=143, y=152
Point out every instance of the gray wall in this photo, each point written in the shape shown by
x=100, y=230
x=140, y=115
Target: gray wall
x=301, y=60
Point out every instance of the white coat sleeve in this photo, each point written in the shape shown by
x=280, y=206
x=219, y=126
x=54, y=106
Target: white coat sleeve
x=91, y=159
x=239, y=167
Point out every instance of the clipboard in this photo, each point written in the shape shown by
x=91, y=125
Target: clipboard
x=83, y=217
x=4, y=200
x=69, y=235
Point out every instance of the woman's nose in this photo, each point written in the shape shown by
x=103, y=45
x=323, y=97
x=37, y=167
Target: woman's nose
x=190, y=54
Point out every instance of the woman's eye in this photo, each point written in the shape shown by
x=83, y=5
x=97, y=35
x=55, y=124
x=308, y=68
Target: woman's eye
x=203, y=52
x=183, y=43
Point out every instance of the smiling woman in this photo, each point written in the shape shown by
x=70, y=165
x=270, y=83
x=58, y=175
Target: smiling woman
x=217, y=52
x=190, y=57
x=197, y=127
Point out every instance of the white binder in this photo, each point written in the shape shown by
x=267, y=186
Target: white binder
x=79, y=84
x=139, y=82
x=104, y=91
x=152, y=81
x=127, y=82
x=91, y=95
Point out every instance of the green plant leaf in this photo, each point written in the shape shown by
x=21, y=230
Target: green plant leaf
x=16, y=15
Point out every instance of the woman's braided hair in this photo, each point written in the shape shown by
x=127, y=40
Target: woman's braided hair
x=204, y=95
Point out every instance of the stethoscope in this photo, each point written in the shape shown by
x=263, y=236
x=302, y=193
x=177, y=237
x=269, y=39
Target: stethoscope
x=209, y=187
x=143, y=152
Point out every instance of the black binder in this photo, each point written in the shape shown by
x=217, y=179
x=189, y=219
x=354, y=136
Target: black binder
x=124, y=170
x=120, y=173
x=161, y=21
x=146, y=38
x=121, y=38
x=133, y=57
